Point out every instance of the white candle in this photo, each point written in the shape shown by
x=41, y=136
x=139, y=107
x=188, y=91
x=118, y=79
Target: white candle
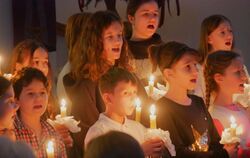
x=152, y=117
x=50, y=149
x=151, y=85
x=63, y=108
x=138, y=109
x=233, y=126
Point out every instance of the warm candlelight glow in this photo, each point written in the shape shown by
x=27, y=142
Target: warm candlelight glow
x=0, y=65
x=63, y=108
x=138, y=109
x=152, y=117
x=8, y=76
x=151, y=84
x=50, y=149
x=233, y=126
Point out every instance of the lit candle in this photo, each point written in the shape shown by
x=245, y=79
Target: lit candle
x=8, y=76
x=138, y=109
x=233, y=126
x=152, y=117
x=63, y=108
x=50, y=149
x=0, y=65
x=151, y=85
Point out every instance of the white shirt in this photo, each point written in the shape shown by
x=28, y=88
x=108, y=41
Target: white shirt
x=104, y=124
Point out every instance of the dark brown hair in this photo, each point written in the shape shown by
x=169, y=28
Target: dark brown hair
x=208, y=25
x=4, y=85
x=112, y=77
x=91, y=63
x=216, y=62
x=166, y=55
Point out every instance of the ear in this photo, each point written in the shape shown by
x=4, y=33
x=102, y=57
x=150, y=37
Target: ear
x=131, y=19
x=209, y=41
x=218, y=78
x=167, y=73
x=18, y=67
x=106, y=98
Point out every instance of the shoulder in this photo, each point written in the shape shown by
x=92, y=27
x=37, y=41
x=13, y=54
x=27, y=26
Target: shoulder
x=197, y=100
x=135, y=124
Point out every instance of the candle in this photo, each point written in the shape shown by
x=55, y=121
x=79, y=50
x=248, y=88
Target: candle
x=8, y=76
x=151, y=85
x=50, y=149
x=0, y=65
x=138, y=109
x=233, y=126
x=152, y=117
x=63, y=108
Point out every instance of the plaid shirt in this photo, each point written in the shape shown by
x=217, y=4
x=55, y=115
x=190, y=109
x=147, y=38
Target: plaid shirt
x=39, y=144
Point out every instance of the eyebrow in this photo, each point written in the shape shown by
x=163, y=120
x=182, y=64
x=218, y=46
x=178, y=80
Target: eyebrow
x=146, y=10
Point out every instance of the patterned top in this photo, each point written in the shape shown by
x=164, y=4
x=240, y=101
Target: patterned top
x=39, y=145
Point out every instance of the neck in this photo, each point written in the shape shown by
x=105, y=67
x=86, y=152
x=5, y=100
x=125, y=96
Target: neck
x=32, y=123
x=114, y=116
x=136, y=37
x=223, y=98
x=181, y=98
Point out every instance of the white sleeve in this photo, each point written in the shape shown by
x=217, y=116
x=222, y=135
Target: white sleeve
x=92, y=133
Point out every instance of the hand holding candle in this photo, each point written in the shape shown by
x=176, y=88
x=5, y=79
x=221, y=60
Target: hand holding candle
x=138, y=109
x=63, y=108
x=151, y=85
x=50, y=149
x=152, y=117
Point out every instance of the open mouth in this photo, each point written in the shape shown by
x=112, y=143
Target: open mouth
x=228, y=43
x=37, y=106
x=151, y=27
x=193, y=80
x=241, y=85
x=117, y=50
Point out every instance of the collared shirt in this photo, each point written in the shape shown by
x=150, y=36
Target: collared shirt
x=39, y=145
x=104, y=124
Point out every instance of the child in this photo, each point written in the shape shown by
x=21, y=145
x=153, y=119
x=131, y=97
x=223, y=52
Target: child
x=105, y=146
x=182, y=114
x=101, y=47
x=31, y=93
x=118, y=88
x=8, y=109
x=216, y=34
x=144, y=18
x=224, y=74
x=75, y=25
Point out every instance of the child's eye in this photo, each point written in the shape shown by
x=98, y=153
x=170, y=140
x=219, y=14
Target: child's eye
x=125, y=93
x=222, y=32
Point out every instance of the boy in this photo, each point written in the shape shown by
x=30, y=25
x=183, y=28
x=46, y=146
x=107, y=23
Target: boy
x=118, y=88
x=31, y=94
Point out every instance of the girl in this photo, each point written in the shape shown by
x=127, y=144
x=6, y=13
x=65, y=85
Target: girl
x=75, y=25
x=216, y=34
x=224, y=74
x=185, y=116
x=101, y=47
x=7, y=108
x=31, y=93
x=144, y=18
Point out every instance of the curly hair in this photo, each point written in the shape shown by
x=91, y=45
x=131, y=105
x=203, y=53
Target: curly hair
x=90, y=62
x=216, y=62
x=208, y=25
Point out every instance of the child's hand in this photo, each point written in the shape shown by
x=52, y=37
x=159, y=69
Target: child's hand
x=232, y=149
x=65, y=135
x=153, y=147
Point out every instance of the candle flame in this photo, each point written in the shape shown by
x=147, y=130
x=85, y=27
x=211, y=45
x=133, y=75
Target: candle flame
x=50, y=146
x=152, y=109
x=232, y=119
x=137, y=102
x=151, y=78
x=63, y=103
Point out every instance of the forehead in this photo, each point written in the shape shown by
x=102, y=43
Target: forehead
x=114, y=27
x=40, y=53
x=224, y=25
x=187, y=58
x=123, y=85
x=236, y=63
x=148, y=6
x=34, y=85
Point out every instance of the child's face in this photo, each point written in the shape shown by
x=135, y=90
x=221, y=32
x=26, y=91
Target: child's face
x=33, y=99
x=8, y=109
x=222, y=37
x=121, y=101
x=145, y=21
x=40, y=60
x=112, y=41
x=233, y=78
x=184, y=73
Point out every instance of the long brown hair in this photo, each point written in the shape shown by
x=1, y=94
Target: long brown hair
x=90, y=62
x=208, y=25
x=74, y=27
x=216, y=62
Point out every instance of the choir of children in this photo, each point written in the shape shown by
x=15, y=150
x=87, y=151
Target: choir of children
x=106, y=72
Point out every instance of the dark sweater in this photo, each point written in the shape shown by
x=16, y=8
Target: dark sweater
x=177, y=119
